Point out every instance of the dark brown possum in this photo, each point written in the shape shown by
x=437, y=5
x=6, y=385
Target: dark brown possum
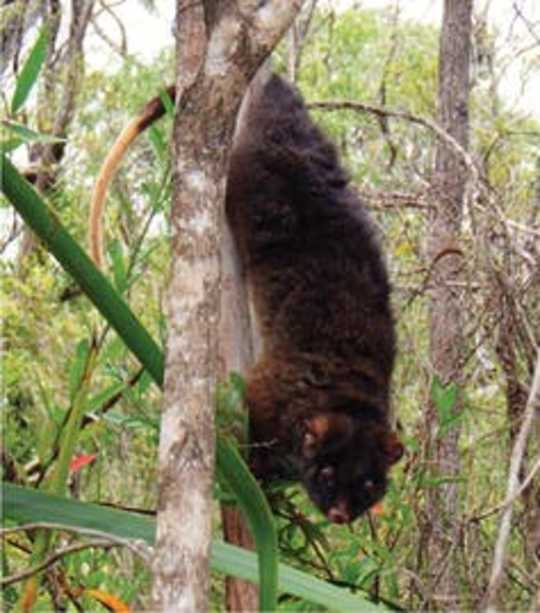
x=318, y=396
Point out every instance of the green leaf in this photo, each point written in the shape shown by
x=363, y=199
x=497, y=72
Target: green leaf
x=114, y=309
x=261, y=521
x=144, y=383
x=445, y=400
x=168, y=102
x=23, y=505
x=75, y=261
x=97, y=401
x=30, y=70
x=159, y=143
x=436, y=481
x=238, y=385
x=133, y=423
x=444, y=397
x=78, y=367
x=118, y=266
x=10, y=145
x=25, y=134
x=230, y=413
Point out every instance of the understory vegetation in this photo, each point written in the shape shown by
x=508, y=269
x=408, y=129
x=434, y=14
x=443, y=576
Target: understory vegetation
x=81, y=416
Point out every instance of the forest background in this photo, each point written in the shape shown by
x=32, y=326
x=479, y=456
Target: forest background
x=370, y=76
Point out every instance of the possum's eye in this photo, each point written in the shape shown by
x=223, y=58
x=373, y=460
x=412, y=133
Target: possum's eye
x=327, y=476
x=367, y=481
x=328, y=472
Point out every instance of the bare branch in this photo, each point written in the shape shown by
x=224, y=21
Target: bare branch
x=58, y=555
x=119, y=49
x=528, y=24
x=136, y=546
x=516, y=459
x=441, y=133
x=123, y=44
x=509, y=501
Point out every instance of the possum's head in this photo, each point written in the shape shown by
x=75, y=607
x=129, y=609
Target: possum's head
x=344, y=463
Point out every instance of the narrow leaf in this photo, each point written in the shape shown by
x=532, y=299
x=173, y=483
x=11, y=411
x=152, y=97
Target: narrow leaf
x=25, y=134
x=119, y=268
x=444, y=398
x=78, y=367
x=26, y=505
x=75, y=261
x=10, y=145
x=159, y=143
x=97, y=401
x=261, y=521
x=168, y=102
x=30, y=70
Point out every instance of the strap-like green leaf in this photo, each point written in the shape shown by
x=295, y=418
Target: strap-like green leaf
x=23, y=505
x=30, y=70
x=261, y=521
x=75, y=261
x=29, y=505
x=25, y=134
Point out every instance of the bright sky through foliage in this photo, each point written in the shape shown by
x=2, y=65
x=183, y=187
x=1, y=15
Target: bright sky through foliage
x=148, y=34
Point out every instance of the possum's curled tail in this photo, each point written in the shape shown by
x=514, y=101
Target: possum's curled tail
x=152, y=111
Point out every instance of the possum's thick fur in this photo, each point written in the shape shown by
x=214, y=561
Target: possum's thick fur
x=318, y=396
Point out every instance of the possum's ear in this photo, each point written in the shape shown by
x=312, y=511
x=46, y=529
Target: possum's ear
x=392, y=447
x=325, y=429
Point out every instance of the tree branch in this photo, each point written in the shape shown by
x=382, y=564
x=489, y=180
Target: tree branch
x=136, y=546
x=441, y=133
x=52, y=559
x=516, y=459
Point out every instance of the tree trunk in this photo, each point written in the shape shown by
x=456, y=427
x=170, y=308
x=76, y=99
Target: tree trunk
x=186, y=450
x=61, y=82
x=217, y=56
x=237, y=350
x=446, y=300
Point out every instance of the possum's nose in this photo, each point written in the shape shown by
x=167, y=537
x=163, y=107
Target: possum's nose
x=339, y=514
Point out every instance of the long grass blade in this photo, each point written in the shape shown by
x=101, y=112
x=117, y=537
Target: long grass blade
x=75, y=261
x=30, y=70
x=261, y=521
x=24, y=505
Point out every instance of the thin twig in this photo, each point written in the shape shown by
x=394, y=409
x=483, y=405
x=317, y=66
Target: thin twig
x=337, y=105
x=137, y=546
x=513, y=486
x=528, y=24
x=509, y=501
x=105, y=543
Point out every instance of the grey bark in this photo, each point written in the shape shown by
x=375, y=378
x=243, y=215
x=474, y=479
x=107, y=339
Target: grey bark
x=220, y=46
x=60, y=84
x=16, y=18
x=446, y=299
